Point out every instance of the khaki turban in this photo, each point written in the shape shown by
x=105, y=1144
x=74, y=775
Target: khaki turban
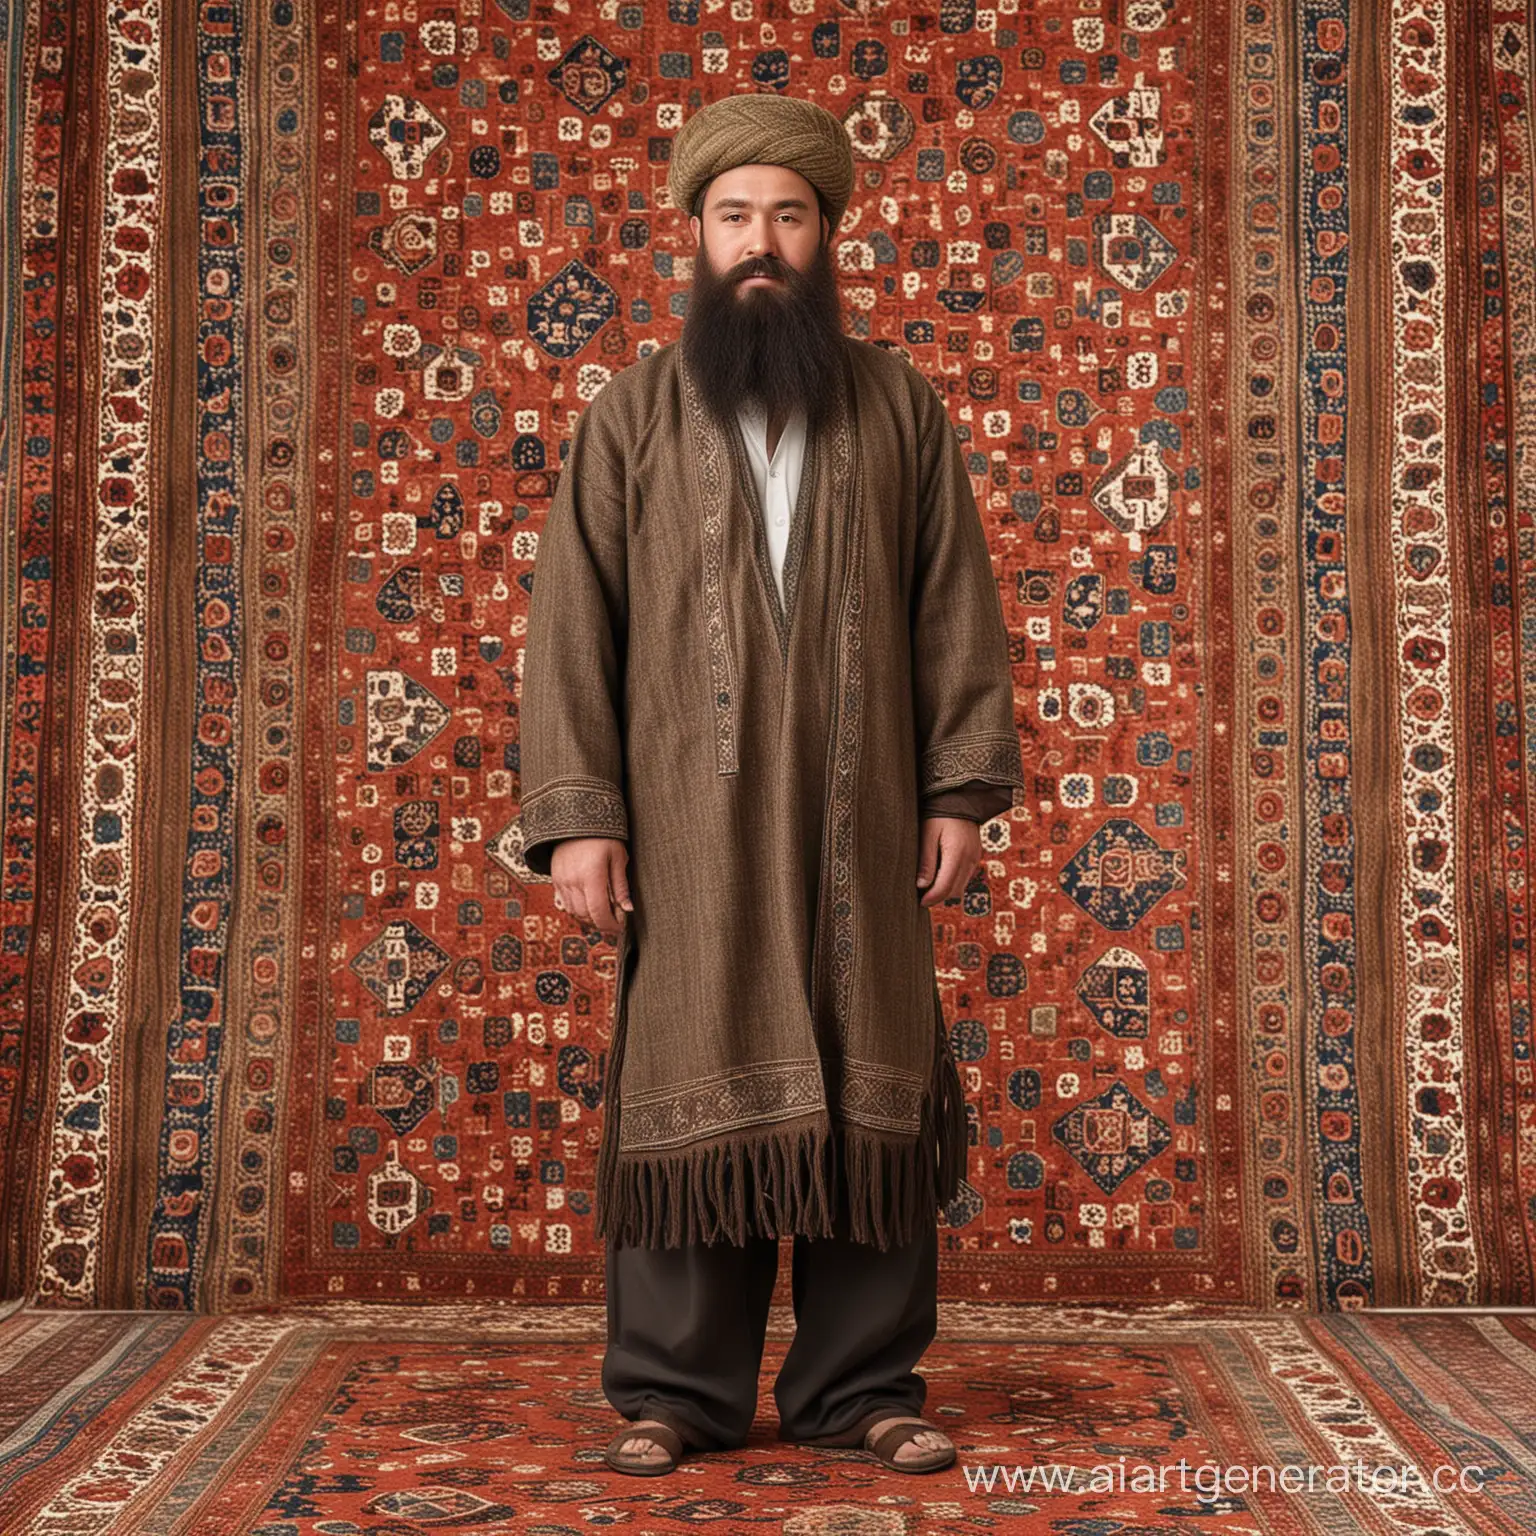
x=759, y=128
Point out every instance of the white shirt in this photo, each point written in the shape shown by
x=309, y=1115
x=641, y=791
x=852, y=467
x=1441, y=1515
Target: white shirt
x=778, y=478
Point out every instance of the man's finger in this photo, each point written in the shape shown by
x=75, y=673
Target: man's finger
x=940, y=875
x=618, y=882
x=604, y=918
x=928, y=856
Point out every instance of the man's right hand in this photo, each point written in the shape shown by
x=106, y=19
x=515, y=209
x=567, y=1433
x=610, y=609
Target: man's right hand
x=590, y=881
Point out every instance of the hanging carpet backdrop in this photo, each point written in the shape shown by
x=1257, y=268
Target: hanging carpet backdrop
x=1234, y=308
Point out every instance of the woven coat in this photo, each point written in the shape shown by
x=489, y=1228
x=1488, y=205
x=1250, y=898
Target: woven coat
x=777, y=1022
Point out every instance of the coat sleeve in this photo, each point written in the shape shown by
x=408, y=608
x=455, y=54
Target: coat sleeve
x=975, y=800
x=962, y=677
x=570, y=732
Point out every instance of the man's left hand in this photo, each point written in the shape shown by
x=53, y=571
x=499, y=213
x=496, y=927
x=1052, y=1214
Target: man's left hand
x=949, y=850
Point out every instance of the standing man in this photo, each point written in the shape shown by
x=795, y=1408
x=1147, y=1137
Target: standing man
x=766, y=701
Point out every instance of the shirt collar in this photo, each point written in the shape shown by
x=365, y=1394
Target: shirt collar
x=751, y=410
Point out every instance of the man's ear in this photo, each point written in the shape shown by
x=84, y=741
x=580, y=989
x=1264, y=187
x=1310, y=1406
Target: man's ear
x=696, y=224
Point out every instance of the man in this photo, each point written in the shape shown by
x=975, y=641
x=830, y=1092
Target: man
x=766, y=700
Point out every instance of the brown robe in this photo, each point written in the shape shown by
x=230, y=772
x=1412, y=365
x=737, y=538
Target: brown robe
x=777, y=1017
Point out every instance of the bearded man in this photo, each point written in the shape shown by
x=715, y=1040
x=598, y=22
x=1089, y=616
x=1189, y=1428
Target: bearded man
x=766, y=701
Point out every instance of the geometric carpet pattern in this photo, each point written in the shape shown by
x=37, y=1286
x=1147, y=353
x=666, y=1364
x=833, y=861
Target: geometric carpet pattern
x=1233, y=308
x=327, y=1420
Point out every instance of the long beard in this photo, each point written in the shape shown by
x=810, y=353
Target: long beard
x=771, y=347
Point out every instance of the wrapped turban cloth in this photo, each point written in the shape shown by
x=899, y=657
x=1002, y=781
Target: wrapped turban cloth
x=759, y=128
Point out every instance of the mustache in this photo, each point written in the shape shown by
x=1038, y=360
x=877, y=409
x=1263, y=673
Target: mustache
x=757, y=266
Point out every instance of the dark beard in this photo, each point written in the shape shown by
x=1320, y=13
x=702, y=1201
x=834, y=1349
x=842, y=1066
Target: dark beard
x=774, y=348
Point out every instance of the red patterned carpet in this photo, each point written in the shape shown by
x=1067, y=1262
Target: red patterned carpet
x=1232, y=304
x=329, y=1423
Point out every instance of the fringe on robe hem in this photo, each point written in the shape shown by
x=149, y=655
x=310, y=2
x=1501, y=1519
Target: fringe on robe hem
x=780, y=1179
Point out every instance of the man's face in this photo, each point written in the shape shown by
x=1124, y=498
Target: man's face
x=755, y=217
x=764, y=322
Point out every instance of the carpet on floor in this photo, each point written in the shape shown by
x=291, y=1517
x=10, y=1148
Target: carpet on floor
x=333, y=1421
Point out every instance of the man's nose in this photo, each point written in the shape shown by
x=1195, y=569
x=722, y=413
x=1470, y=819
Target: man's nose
x=760, y=240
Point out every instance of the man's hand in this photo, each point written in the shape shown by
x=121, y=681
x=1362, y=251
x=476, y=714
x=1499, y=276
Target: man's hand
x=590, y=882
x=949, y=850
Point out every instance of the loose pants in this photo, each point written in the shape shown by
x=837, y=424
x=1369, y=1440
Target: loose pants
x=686, y=1328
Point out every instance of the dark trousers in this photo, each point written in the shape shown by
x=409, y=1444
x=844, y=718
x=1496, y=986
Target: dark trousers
x=686, y=1328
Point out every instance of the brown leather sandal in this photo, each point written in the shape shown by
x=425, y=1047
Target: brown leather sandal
x=903, y=1431
x=634, y=1463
